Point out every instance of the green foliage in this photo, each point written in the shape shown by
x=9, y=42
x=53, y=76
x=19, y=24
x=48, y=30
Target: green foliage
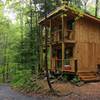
x=19, y=77
x=51, y=5
x=76, y=79
x=1, y=71
x=25, y=80
x=76, y=10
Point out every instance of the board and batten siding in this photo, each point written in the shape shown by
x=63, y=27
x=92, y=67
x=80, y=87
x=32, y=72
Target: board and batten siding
x=87, y=49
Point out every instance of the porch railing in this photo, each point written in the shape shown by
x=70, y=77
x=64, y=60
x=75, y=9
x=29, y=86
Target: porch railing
x=69, y=35
x=60, y=64
x=57, y=36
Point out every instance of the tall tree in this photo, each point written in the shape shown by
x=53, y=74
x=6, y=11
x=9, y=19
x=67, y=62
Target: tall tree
x=96, y=7
x=46, y=51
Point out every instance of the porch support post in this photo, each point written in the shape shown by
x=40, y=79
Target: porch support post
x=62, y=28
x=63, y=50
x=63, y=47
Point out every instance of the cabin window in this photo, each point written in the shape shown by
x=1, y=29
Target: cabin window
x=68, y=55
x=70, y=27
x=68, y=52
x=70, y=24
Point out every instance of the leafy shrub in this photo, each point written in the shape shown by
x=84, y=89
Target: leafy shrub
x=23, y=79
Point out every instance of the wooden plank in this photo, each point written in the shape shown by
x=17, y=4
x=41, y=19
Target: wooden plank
x=63, y=47
x=63, y=50
x=87, y=31
x=87, y=37
x=62, y=27
x=97, y=53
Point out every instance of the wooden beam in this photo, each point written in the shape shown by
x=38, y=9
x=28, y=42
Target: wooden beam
x=63, y=28
x=63, y=47
x=63, y=50
x=61, y=8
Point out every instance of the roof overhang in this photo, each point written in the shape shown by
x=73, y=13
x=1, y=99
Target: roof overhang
x=53, y=13
x=65, y=9
x=93, y=18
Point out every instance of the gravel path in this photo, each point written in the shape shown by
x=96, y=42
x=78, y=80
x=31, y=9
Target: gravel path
x=6, y=93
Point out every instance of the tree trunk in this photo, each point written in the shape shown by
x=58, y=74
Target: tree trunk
x=96, y=8
x=46, y=51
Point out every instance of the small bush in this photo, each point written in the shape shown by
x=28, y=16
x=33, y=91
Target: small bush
x=23, y=79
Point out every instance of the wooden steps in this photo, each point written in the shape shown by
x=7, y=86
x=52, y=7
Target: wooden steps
x=88, y=76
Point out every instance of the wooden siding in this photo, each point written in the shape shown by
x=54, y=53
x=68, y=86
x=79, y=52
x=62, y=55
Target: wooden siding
x=87, y=50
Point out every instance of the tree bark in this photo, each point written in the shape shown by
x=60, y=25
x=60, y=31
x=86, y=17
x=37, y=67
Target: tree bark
x=46, y=51
x=96, y=8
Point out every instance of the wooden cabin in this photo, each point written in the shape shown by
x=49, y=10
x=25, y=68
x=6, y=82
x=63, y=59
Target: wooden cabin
x=74, y=42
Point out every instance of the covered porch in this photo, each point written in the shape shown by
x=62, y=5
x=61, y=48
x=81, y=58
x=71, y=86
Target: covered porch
x=62, y=58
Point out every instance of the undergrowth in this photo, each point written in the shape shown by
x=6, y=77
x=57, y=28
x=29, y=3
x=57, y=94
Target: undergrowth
x=24, y=80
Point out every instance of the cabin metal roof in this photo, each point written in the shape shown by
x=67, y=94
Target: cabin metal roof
x=66, y=8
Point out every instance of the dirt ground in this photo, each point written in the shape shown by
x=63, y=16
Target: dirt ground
x=68, y=91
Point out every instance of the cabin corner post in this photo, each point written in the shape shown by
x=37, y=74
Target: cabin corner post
x=63, y=46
